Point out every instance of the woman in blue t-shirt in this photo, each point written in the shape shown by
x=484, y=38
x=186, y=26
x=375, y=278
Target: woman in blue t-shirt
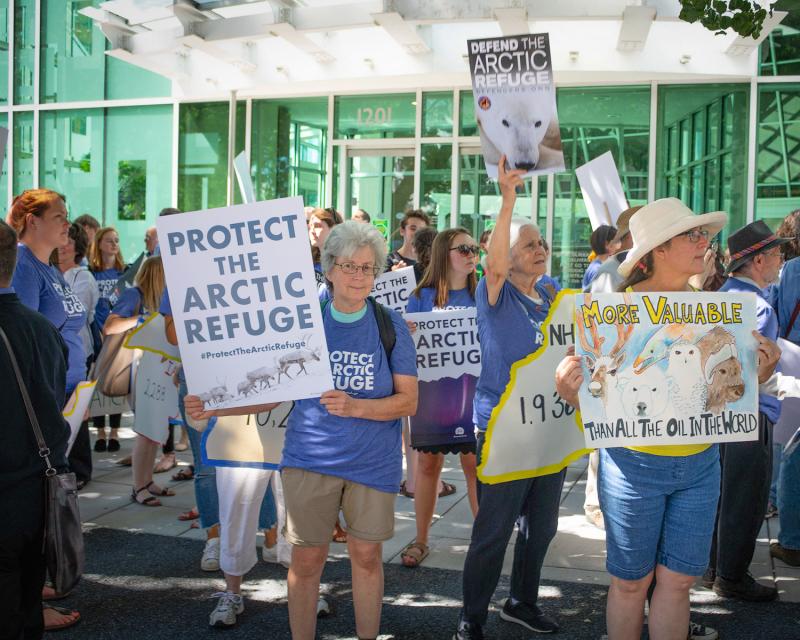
x=342, y=450
x=449, y=282
x=510, y=313
x=106, y=265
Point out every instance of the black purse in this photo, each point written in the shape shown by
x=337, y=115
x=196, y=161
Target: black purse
x=63, y=534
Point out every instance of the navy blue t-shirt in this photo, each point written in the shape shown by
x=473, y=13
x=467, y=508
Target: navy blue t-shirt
x=508, y=331
x=106, y=283
x=129, y=303
x=361, y=450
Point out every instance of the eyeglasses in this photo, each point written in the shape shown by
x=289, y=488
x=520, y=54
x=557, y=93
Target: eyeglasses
x=694, y=235
x=467, y=249
x=351, y=268
x=775, y=254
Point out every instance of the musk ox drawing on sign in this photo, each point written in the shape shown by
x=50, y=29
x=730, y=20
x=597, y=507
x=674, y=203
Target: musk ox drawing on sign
x=722, y=369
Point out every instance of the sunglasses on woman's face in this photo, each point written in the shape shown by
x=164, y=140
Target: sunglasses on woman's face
x=467, y=249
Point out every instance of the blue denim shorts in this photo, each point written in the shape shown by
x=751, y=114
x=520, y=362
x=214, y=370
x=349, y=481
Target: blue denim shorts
x=658, y=510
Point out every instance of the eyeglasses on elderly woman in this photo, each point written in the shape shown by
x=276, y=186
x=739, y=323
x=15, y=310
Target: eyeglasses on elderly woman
x=351, y=268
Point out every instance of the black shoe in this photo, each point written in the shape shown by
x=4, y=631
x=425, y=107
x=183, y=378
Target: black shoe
x=80, y=484
x=468, y=631
x=100, y=445
x=708, y=578
x=530, y=617
x=745, y=589
x=113, y=444
x=789, y=556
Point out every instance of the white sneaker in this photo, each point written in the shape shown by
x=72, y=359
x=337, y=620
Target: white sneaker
x=210, y=559
x=229, y=606
x=269, y=554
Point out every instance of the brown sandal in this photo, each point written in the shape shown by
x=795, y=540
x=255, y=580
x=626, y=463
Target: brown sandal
x=414, y=553
x=72, y=621
x=149, y=501
x=187, y=473
x=162, y=492
x=447, y=489
x=405, y=492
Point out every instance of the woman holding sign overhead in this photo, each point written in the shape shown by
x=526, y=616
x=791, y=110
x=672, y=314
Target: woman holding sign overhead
x=448, y=283
x=510, y=313
x=659, y=502
x=343, y=450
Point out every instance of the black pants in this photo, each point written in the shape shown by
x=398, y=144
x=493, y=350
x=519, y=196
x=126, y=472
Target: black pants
x=80, y=457
x=533, y=504
x=114, y=420
x=744, y=492
x=22, y=567
x=169, y=445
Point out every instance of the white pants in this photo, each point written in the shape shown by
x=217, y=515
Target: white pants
x=241, y=491
x=592, y=503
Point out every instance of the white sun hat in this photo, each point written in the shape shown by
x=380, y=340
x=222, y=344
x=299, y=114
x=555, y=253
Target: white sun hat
x=662, y=220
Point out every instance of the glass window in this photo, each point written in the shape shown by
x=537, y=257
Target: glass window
x=4, y=48
x=23, y=152
x=778, y=164
x=4, y=175
x=125, y=80
x=436, y=183
x=437, y=114
x=24, y=60
x=780, y=52
x=595, y=120
x=466, y=109
x=72, y=58
x=71, y=159
x=378, y=116
x=138, y=171
x=702, y=148
x=288, y=147
x=203, y=156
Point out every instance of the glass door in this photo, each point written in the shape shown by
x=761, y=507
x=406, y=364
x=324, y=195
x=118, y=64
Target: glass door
x=379, y=181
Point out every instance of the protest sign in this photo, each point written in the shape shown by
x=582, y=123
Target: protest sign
x=393, y=288
x=789, y=422
x=667, y=368
x=76, y=408
x=103, y=405
x=602, y=190
x=244, y=300
x=254, y=441
x=533, y=431
x=155, y=394
x=448, y=366
x=515, y=103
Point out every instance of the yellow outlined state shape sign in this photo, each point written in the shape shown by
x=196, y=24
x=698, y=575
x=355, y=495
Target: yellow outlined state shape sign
x=151, y=336
x=532, y=431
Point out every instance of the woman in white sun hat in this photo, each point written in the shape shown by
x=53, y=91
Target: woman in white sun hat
x=659, y=502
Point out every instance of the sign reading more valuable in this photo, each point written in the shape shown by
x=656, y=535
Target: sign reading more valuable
x=667, y=368
x=244, y=299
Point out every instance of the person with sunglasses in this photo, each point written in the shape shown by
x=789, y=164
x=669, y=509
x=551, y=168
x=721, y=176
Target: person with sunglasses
x=343, y=450
x=511, y=311
x=449, y=282
x=659, y=502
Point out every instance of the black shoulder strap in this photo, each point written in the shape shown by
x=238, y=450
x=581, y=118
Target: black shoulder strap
x=385, y=327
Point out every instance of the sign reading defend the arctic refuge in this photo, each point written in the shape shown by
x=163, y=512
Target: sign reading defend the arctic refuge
x=667, y=368
x=515, y=103
x=244, y=298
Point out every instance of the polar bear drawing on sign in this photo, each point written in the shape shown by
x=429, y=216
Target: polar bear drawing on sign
x=523, y=126
x=643, y=395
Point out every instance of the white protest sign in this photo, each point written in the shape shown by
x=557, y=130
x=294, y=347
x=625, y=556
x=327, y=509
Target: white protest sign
x=667, y=368
x=515, y=103
x=393, y=288
x=602, y=190
x=76, y=408
x=103, y=405
x=243, y=295
x=533, y=431
x=789, y=422
x=254, y=441
x=447, y=344
x=151, y=336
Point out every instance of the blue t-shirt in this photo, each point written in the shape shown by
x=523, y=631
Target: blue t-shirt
x=591, y=272
x=456, y=299
x=548, y=287
x=41, y=287
x=106, y=283
x=365, y=451
x=767, y=326
x=165, y=308
x=129, y=303
x=508, y=331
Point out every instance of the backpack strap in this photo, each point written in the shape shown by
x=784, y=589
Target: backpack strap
x=792, y=319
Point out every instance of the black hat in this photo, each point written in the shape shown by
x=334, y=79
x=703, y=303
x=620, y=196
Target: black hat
x=749, y=241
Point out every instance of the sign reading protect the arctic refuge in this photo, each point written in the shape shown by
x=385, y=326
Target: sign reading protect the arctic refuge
x=244, y=299
x=515, y=103
x=667, y=368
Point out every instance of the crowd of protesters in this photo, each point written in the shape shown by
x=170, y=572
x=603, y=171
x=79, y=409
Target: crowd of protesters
x=673, y=515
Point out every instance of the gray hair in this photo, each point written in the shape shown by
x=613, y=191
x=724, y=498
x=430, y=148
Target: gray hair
x=347, y=238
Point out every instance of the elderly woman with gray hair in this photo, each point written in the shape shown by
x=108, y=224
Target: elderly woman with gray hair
x=343, y=450
x=511, y=310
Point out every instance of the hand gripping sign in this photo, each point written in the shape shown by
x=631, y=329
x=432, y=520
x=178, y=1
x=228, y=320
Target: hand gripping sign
x=667, y=368
x=533, y=431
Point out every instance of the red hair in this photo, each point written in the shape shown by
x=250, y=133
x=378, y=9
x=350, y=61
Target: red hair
x=31, y=201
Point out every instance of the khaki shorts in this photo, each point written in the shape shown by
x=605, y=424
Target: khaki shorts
x=313, y=501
